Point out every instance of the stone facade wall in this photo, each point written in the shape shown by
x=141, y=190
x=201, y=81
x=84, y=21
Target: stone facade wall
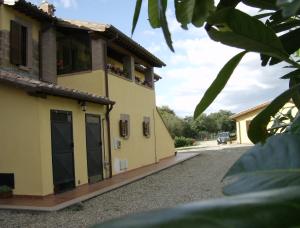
x=4, y=48
x=98, y=47
x=5, y=64
x=48, y=56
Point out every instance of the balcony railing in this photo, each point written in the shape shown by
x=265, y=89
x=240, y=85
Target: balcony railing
x=124, y=74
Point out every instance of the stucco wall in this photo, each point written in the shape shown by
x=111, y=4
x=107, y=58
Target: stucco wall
x=241, y=127
x=164, y=142
x=138, y=102
x=79, y=136
x=19, y=140
x=241, y=122
x=25, y=139
x=92, y=82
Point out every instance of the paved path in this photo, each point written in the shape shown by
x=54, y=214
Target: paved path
x=193, y=180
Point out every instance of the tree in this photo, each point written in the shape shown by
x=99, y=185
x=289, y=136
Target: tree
x=223, y=120
x=174, y=124
x=188, y=130
x=274, y=162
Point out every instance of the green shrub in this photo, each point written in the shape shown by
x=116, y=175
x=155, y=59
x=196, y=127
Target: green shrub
x=182, y=141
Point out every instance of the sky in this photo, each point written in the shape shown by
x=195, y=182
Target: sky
x=195, y=63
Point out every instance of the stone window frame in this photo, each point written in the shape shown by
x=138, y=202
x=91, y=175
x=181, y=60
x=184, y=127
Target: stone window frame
x=124, y=126
x=146, y=127
x=29, y=43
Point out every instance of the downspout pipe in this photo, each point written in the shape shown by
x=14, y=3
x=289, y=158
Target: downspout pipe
x=108, y=107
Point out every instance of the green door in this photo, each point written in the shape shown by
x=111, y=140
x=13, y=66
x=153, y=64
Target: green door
x=94, y=148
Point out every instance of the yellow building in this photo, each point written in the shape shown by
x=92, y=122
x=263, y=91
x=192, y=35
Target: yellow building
x=78, y=102
x=244, y=118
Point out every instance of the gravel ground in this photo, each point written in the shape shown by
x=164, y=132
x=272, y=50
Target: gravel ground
x=193, y=180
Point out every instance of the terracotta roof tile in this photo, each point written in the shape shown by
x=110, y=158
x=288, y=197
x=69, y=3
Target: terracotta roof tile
x=39, y=87
x=260, y=106
x=119, y=37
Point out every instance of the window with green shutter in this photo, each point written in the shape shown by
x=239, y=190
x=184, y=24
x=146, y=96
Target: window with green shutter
x=18, y=44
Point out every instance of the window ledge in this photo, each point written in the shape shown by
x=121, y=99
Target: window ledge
x=75, y=73
x=147, y=87
x=24, y=68
x=119, y=76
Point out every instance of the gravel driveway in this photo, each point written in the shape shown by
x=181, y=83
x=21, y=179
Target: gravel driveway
x=193, y=180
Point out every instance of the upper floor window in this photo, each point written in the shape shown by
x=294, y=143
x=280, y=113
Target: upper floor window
x=73, y=52
x=18, y=44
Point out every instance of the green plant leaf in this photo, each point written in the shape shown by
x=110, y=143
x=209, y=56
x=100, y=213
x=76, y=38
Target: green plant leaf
x=227, y=3
x=262, y=15
x=262, y=4
x=289, y=24
x=289, y=7
x=158, y=19
x=295, y=73
x=258, y=127
x=184, y=11
x=164, y=24
x=277, y=208
x=136, y=15
x=291, y=43
x=274, y=164
x=218, y=84
x=154, y=13
x=295, y=82
x=237, y=29
x=295, y=127
x=201, y=12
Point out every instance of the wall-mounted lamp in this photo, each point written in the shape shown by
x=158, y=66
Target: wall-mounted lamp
x=83, y=105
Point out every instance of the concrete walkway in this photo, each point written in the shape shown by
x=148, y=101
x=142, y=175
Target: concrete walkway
x=85, y=192
x=210, y=145
x=193, y=180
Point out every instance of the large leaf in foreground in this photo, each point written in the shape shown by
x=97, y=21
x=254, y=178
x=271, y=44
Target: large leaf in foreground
x=184, y=11
x=277, y=208
x=274, y=164
x=295, y=81
x=262, y=4
x=258, y=127
x=218, y=84
x=158, y=19
x=289, y=7
x=237, y=29
x=154, y=13
x=201, y=12
x=295, y=73
x=291, y=43
x=136, y=15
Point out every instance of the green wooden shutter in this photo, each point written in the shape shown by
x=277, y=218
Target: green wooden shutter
x=15, y=43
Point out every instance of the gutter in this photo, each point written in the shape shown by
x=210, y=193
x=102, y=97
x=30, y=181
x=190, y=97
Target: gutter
x=108, y=109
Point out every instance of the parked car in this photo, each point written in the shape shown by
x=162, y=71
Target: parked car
x=223, y=137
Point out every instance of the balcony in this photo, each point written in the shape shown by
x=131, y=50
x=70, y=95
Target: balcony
x=138, y=79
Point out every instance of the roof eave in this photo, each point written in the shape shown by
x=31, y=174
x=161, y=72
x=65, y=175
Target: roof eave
x=139, y=49
x=31, y=10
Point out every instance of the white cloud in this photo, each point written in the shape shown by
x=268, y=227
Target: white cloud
x=154, y=48
x=190, y=72
x=68, y=3
x=196, y=63
x=149, y=32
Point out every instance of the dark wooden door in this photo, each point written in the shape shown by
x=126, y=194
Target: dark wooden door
x=62, y=150
x=94, y=148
